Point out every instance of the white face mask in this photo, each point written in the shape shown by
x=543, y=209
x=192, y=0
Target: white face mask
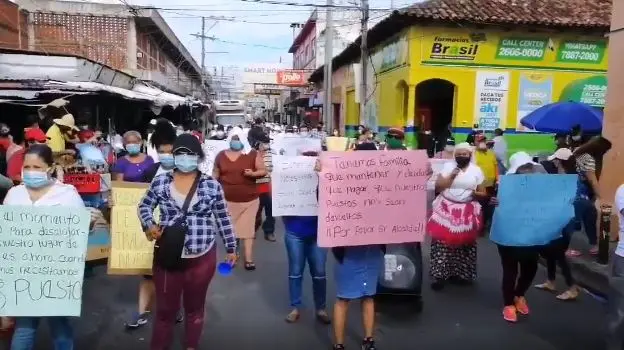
x=576, y=138
x=449, y=148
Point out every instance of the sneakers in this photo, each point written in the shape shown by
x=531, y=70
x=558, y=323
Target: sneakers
x=509, y=314
x=368, y=344
x=180, y=317
x=521, y=305
x=137, y=321
x=338, y=347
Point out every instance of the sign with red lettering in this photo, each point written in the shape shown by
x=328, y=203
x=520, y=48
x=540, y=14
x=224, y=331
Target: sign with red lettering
x=292, y=78
x=84, y=183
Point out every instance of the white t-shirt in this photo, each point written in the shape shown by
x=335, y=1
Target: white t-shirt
x=465, y=182
x=58, y=194
x=619, y=205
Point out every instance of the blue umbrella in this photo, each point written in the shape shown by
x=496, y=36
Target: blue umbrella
x=561, y=117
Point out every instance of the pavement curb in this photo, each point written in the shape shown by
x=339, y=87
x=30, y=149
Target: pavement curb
x=588, y=274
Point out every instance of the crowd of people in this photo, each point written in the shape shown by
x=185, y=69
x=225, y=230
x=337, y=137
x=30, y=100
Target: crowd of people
x=234, y=202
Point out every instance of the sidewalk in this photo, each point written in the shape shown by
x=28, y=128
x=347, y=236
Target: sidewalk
x=585, y=269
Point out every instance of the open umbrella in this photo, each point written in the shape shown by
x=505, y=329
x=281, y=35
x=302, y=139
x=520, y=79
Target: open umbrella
x=560, y=117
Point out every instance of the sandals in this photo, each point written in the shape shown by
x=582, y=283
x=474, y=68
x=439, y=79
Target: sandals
x=568, y=295
x=250, y=266
x=293, y=316
x=323, y=317
x=546, y=286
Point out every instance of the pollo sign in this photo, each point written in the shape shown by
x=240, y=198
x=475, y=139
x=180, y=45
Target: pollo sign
x=291, y=78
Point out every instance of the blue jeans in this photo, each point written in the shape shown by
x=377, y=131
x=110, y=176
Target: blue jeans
x=587, y=214
x=300, y=250
x=26, y=331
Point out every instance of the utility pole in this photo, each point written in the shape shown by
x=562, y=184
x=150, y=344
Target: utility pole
x=203, y=53
x=364, y=61
x=329, y=44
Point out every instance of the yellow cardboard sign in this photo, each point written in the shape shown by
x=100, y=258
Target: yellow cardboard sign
x=131, y=252
x=335, y=143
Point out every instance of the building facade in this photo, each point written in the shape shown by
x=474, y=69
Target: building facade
x=430, y=74
x=12, y=26
x=137, y=41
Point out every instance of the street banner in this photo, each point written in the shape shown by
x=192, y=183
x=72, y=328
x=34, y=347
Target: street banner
x=373, y=197
x=294, y=183
x=295, y=145
x=43, y=252
x=491, y=95
x=211, y=148
x=131, y=252
x=533, y=209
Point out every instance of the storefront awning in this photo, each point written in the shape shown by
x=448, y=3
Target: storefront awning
x=161, y=97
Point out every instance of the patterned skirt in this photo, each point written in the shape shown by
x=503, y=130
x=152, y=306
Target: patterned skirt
x=455, y=223
x=453, y=261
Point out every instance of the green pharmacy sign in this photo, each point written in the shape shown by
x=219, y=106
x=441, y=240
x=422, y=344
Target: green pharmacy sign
x=592, y=91
x=581, y=52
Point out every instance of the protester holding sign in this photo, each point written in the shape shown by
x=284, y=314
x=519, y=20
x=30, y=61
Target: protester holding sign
x=185, y=251
x=237, y=173
x=264, y=191
x=41, y=189
x=301, y=246
x=134, y=167
x=356, y=272
x=456, y=220
x=524, y=222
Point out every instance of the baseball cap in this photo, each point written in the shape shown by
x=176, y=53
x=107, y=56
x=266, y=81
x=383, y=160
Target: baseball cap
x=562, y=154
x=35, y=134
x=187, y=143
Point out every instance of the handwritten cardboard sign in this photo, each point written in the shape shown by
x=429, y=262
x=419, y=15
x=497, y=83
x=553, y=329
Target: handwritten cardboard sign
x=532, y=209
x=131, y=252
x=295, y=145
x=294, y=184
x=211, y=149
x=43, y=252
x=84, y=183
x=335, y=143
x=372, y=197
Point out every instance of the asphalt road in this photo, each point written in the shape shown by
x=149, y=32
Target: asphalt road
x=246, y=311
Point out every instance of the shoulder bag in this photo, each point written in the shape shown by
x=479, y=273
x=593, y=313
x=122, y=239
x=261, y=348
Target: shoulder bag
x=168, y=248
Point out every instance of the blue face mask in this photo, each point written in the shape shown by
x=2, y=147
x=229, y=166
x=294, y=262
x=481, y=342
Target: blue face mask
x=166, y=160
x=35, y=179
x=133, y=149
x=236, y=145
x=186, y=163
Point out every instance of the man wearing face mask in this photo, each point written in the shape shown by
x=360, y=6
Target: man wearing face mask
x=486, y=160
x=304, y=131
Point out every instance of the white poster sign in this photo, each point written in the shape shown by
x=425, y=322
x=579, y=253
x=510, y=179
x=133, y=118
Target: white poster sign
x=295, y=145
x=491, y=94
x=211, y=149
x=294, y=186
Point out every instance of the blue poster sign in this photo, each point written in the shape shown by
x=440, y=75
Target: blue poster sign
x=533, y=209
x=535, y=91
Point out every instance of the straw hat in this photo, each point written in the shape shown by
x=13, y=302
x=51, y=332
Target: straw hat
x=67, y=120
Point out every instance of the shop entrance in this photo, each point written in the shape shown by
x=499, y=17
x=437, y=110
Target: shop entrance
x=435, y=101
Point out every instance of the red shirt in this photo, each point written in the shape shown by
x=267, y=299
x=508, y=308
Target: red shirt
x=5, y=142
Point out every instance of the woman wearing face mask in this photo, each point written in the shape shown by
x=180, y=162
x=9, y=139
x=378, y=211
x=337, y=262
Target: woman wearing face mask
x=456, y=220
x=237, y=172
x=134, y=167
x=40, y=188
x=448, y=152
x=193, y=211
x=485, y=158
x=519, y=262
x=162, y=140
x=394, y=139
